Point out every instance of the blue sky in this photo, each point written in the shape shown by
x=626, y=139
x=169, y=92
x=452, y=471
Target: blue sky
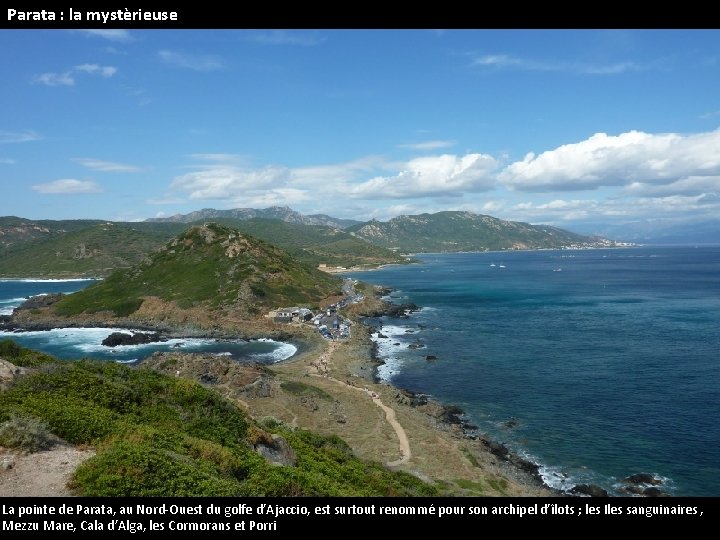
x=572, y=128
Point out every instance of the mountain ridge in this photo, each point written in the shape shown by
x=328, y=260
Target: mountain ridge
x=453, y=231
x=210, y=266
x=284, y=213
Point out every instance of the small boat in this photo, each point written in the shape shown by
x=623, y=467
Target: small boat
x=501, y=266
x=492, y=264
x=557, y=269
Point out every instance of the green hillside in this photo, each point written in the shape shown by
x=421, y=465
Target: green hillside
x=165, y=436
x=465, y=231
x=15, y=230
x=315, y=244
x=210, y=265
x=94, y=249
x=90, y=248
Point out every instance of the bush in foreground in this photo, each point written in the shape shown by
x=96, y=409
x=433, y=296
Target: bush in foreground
x=162, y=436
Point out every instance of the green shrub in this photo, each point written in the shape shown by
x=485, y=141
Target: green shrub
x=301, y=389
x=164, y=436
x=26, y=433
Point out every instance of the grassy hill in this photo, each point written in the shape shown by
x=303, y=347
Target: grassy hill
x=90, y=248
x=210, y=265
x=315, y=244
x=465, y=231
x=165, y=436
x=95, y=249
x=15, y=230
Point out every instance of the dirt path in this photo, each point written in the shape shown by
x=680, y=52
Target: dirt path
x=321, y=365
x=42, y=474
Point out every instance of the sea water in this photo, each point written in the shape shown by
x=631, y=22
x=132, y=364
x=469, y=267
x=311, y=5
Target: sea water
x=596, y=364
x=75, y=343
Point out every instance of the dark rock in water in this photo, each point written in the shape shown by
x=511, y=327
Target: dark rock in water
x=496, y=448
x=381, y=336
x=654, y=492
x=526, y=465
x=644, y=491
x=591, y=490
x=416, y=346
x=400, y=310
x=396, y=344
x=407, y=397
x=452, y=414
x=642, y=478
x=430, y=357
x=140, y=338
x=512, y=423
x=632, y=490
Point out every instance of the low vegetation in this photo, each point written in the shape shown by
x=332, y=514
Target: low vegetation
x=211, y=265
x=26, y=433
x=164, y=436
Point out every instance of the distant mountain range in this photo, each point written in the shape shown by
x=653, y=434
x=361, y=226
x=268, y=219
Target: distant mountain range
x=211, y=266
x=465, y=231
x=282, y=213
x=95, y=248
x=661, y=232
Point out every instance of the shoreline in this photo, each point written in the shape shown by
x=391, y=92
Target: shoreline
x=480, y=465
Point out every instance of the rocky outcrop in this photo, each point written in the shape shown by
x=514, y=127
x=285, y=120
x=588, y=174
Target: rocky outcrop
x=139, y=338
x=588, y=490
x=8, y=373
x=642, y=478
x=644, y=484
x=41, y=301
x=277, y=450
x=413, y=399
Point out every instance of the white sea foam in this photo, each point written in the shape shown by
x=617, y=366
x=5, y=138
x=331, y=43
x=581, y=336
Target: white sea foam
x=131, y=361
x=282, y=352
x=386, y=349
x=14, y=300
x=9, y=304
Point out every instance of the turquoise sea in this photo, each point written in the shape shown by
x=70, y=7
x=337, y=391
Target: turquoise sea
x=608, y=360
x=75, y=343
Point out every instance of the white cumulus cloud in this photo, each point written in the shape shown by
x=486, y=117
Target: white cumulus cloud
x=67, y=186
x=228, y=181
x=606, y=160
x=431, y=176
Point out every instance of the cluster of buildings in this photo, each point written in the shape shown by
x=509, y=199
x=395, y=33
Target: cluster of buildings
x=329, y=323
